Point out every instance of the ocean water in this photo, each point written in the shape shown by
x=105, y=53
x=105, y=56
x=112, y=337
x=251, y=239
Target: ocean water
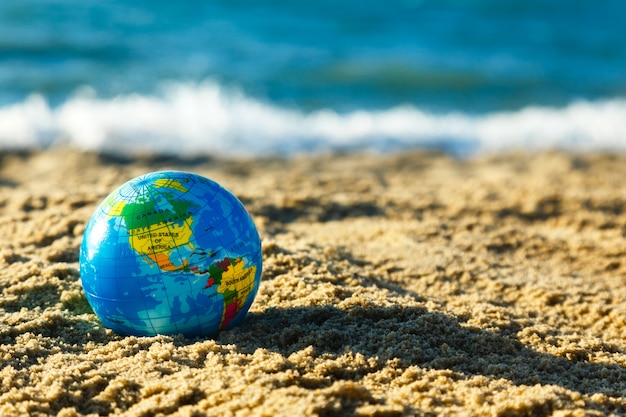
x=243, y=77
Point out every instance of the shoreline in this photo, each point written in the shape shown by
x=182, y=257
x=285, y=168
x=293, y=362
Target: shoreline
x=393, y=285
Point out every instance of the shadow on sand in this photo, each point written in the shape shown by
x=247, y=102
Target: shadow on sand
x=426, y=339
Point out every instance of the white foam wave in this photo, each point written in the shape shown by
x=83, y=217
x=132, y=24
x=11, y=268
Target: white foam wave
x=208, y=119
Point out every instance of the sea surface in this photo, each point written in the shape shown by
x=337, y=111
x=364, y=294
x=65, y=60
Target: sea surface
x=263, y=77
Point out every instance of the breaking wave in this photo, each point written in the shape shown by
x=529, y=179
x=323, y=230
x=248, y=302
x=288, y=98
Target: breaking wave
x=188, y=119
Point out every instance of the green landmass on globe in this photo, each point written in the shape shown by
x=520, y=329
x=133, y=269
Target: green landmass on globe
x=154, y=233
x=234, y=282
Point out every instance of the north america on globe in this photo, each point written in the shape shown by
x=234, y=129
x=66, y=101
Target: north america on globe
x=171, y=252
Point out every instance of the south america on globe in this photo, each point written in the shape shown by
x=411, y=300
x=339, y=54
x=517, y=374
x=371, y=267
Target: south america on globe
x=170, y=252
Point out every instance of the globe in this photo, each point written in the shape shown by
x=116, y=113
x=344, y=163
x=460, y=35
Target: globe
x=170, y=252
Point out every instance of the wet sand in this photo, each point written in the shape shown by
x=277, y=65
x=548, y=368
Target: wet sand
x=395, y=285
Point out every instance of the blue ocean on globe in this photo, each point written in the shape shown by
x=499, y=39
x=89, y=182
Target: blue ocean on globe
x=171, y=252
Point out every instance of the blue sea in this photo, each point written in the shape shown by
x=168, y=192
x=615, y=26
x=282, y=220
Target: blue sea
x=283, y=77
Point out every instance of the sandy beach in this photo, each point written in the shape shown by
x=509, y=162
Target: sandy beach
x=395, y=285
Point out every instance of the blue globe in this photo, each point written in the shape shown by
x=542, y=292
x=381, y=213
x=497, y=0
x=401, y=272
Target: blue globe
x=170, y=252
